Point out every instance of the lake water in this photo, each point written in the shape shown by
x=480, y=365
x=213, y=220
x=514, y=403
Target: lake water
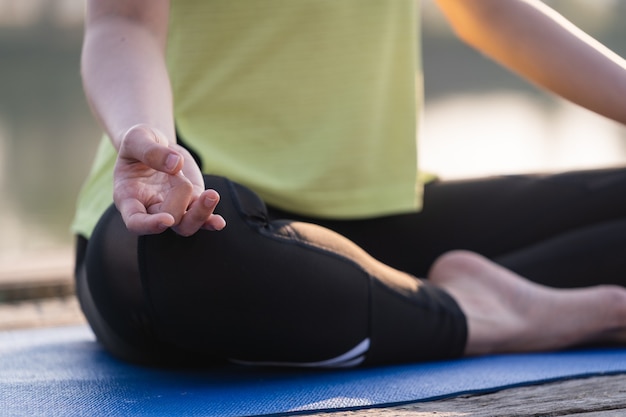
x=479, y=120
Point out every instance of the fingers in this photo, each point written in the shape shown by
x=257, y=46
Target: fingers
x=151, y=147
x=200, y=215
x=154, y=194
x=178, y=197
x=138, y=221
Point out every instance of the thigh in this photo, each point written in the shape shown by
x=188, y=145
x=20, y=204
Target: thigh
x=493, y=216
x=264, y=290
x=590, y=255
x=282, y=291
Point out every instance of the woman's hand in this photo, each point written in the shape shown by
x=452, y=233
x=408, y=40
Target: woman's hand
x=159, y=186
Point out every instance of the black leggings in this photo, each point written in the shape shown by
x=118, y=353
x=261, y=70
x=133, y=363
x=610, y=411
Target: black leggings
x=266, y=290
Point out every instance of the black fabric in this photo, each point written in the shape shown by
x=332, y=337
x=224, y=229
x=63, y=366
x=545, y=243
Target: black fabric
x=112, y=299
x=563, y=230
x=261, y=290
x=195, y=155
x=267, y=289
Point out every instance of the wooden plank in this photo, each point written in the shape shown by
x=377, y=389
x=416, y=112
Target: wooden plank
x=40, y=275
x=47, y=312
x=603, y=396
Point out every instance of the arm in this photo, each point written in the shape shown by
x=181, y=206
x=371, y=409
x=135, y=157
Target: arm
x=540, y=45
x=123, y=66
x=156, y=182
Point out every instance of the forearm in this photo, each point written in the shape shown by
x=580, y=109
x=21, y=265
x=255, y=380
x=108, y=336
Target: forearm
x=125, y=78
x=543, y=47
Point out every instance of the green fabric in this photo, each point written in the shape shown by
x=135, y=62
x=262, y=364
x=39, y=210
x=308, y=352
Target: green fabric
x=311, y=103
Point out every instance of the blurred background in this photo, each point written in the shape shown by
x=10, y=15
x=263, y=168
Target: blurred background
x=479, y=119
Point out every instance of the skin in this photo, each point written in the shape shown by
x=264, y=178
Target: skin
x=156, y=182
x=507, y=313
x=504, y=311
x=544, y=48
x=157, y=185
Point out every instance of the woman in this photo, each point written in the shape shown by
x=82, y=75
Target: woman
x=301, y=117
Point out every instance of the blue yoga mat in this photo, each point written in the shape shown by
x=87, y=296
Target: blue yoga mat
x=64, y=372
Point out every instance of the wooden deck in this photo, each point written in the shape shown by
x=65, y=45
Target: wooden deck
x=37, y=296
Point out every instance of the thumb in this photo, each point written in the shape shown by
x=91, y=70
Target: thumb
x=150, y=147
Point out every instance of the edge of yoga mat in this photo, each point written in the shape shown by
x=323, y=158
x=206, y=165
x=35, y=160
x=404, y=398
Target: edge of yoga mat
x=63, y=372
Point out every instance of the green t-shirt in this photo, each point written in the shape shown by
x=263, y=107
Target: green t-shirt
x=313, y=104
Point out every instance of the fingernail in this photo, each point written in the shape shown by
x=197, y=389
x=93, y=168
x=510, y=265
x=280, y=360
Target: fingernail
x=209, y=201
x=171, y=161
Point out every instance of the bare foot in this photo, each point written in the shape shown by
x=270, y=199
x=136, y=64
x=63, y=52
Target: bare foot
x=507, y=313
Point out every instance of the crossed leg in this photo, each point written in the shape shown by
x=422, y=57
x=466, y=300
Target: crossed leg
x=507, y=313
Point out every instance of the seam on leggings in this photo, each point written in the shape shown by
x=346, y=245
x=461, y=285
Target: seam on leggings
x=433, y=309
x=445, y=314
x=293, y=236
